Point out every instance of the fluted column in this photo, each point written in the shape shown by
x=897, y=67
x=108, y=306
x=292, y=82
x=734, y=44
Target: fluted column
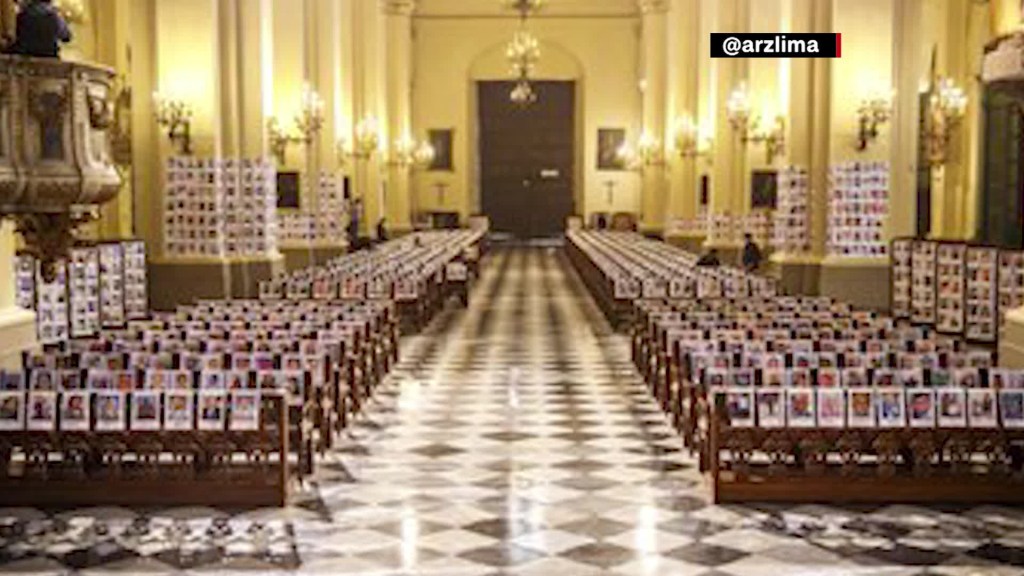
x=399, y=96
x=290, y=72
x=809, y=122
x=821, y=130
x=808, y=136
x=684, y=89
x=329, y=18
x=949, y=178
x=147, y=171
x=654, y=75
x=730, y=152
x=228, y=70
x=370, y=88
x=908, y=64
x=256, y=75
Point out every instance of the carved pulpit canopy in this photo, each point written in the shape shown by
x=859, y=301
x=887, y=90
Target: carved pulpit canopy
x=55, y=148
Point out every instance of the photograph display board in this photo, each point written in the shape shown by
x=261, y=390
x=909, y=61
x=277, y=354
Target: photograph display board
x=792, y=234
x=220, y=207
x=858, y=209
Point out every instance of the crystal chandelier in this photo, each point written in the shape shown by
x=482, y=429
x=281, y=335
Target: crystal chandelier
x=523, y=93
x=523, y=52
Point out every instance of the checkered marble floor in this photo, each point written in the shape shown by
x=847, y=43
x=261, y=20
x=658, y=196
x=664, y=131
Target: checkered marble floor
x=515, y=439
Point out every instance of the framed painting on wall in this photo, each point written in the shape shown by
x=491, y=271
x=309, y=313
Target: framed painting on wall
x=609, y=141
x=288, y=190
x=764, y=191
x=441, y=140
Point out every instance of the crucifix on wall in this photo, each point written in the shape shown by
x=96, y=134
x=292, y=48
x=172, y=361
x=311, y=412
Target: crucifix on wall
x=610, y=185
x=441, y=188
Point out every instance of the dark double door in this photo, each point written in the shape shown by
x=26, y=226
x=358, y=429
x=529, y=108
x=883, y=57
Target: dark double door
x=527, y=157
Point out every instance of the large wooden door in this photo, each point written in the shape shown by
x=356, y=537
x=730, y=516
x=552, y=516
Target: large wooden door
x=527, y=157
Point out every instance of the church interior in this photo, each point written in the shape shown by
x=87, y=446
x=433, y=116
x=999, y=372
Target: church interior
x=512, y=287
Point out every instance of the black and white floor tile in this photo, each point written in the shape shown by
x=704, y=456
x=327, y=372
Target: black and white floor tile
x=515, y=439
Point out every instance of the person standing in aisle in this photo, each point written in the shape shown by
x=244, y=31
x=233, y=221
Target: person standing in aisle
x=751, y=254
x=355, y=215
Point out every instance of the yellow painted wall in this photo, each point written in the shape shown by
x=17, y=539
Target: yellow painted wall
x=186, y=56
x=866, y=66
x=289, y=70
x=602, y=53
x=1006, y=16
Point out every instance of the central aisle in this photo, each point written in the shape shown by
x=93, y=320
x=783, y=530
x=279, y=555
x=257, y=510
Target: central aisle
x=513, y=434
x=515, y=438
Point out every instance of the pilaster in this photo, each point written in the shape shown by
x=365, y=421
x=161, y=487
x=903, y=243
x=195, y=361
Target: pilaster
x=654, y=76
x=684, y=91
x=729, y=165
x=907, y=71
x=399, y=97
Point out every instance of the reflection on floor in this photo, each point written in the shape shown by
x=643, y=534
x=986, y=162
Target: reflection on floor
x=515, y=439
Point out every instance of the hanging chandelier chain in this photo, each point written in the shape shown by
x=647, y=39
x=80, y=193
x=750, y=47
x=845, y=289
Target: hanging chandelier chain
x=523, y=52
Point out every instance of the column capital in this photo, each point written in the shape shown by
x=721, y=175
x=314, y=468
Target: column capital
x=398, y=7
x=653, y=6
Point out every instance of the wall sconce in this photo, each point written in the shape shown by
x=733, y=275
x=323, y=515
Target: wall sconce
x=948, y=104
x=72, y=11
x=750, y=127
x=408, y=153
x=278, y=140
x=366, y=141
x=309, y=122
x=689, y=142
x=773, y=138
x=175, y=116
x=872, y=114
x=739, y=111
x=648, y=152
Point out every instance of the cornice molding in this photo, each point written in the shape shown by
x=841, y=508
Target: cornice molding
x=398, y=7
x=652, y=6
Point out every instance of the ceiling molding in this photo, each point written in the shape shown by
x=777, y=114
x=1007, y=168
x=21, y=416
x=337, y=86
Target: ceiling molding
x=652, y=6
x=398, y=7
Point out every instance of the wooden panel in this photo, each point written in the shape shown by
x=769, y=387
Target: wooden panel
x=527, y=158
x=1001, y=215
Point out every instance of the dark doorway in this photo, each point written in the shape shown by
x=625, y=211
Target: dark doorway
x=1001, y=209
x=924, y=169
x=527, y=157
